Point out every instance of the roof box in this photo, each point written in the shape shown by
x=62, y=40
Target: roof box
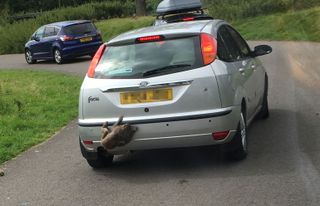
x=177, y=6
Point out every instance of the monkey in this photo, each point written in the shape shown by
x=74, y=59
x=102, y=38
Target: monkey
x=118, y=135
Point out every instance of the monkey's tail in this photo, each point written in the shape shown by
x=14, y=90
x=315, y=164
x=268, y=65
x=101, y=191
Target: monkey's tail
x=119, y=121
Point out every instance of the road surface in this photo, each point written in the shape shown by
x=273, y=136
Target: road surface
x=282, y=167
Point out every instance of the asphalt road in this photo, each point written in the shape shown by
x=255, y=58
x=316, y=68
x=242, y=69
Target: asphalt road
x=282, y=168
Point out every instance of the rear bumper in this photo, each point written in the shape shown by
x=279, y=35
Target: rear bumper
x=181, y=131
x=80, y=50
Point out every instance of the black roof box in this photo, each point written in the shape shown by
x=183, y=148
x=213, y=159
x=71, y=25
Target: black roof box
x=177, y=6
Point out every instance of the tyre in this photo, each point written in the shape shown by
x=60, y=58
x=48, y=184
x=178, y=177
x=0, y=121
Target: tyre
x=57, y=56
x=237, y=148
x=101, y=161
x=264, y=113
x=29, y=57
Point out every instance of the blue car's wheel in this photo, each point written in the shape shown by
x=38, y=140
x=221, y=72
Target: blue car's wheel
x=57, y=56
x=29, y=57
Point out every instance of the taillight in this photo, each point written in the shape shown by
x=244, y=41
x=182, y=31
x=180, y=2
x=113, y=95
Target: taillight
x=87, y=142
x=95, y=60
x=66, y=38
x=149, y=39
x=220, y=135
x=208, y=48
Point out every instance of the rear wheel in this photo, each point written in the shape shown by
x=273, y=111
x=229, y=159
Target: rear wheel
x=57, y=56
x=237, y=148
x=29, y=57
x=101, y=161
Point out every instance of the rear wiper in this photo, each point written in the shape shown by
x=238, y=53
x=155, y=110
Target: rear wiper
x=162, y=69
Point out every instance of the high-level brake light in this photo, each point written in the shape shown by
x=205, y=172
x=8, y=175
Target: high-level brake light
x=150, y=39
x=188, y=19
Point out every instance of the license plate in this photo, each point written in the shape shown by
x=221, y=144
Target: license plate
x=86, y=39
x=145, y=96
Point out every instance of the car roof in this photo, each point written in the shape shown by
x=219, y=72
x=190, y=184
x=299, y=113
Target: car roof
x=68, y=23
x=181, y=28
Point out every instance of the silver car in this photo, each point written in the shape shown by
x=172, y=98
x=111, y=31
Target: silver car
x=183, y=84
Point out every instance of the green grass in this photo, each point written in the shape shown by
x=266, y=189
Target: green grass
x=33, y=106
x=113, y=27
x=299, y=26
x=238, y=9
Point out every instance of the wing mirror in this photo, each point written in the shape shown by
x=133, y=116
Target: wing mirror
x=262, y=50
x=35, y=38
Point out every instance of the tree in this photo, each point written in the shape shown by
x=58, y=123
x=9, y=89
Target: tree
x=140, y=7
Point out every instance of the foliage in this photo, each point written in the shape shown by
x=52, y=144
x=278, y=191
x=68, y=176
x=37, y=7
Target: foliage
x=17, y=6
x=238, y=9
x=112, y=27
x=33, y=106
x=302, y=25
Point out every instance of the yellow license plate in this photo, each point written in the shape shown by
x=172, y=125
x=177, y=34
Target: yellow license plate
x=86, y=39
x=144, y=96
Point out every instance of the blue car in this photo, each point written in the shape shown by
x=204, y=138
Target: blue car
x=63, y=40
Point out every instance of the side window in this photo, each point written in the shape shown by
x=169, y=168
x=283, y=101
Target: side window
x=241, y=43
x=56, y=30
x=227, y=47
x=39, y=33
x=49, y=31
x=223, y=52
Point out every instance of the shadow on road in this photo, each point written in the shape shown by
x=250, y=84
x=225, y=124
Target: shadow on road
x=67, y=61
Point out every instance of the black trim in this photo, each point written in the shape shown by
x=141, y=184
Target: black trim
x=166, y=119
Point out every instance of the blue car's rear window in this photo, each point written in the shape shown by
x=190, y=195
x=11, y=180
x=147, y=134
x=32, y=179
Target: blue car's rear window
x=80, y=29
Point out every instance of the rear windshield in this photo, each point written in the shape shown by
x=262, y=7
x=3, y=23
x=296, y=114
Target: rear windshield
x=150, y=59
x=80, y=29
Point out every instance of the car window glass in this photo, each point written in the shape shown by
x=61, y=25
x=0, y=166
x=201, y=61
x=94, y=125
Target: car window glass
x=39, y=33
x=80, y=29
x=233, y=51
x=132, y=61
x=56, y=30
x=223, y=52
x=49, y=31
x=241, y=43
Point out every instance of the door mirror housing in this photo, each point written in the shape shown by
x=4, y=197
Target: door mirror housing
x=35, y=38
x=262, y=50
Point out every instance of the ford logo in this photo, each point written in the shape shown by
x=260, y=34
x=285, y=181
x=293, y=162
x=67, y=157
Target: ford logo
x=143, y=84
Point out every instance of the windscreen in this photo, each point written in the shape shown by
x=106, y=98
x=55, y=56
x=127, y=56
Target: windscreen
x=144, y=60
x=80, y=29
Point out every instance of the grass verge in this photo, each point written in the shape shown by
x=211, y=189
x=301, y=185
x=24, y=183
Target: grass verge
x=33, y=106
x=298, y=26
